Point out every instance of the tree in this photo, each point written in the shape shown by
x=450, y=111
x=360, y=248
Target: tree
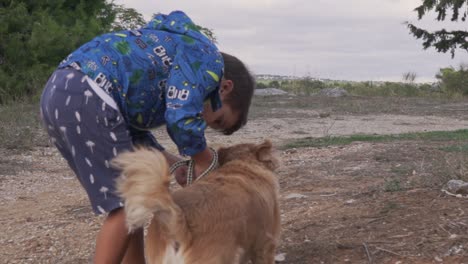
x=442, y=40
x=208, y=33
x=409, y=77
x=260, y=85
x=127, y=18
x=37, y=34
x=454, y=81
x=274, y=84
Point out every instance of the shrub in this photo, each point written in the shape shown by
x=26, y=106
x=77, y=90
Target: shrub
x=454, y=81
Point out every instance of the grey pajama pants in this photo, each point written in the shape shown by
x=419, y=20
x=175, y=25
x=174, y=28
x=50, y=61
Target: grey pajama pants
x=85, y=125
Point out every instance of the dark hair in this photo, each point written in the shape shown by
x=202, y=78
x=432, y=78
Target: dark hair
x=241, y=95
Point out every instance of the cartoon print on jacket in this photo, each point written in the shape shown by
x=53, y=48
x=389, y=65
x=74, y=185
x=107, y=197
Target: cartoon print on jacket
x=159, y=74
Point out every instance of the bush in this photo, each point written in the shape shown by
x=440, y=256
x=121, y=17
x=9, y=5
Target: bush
x=454, y=81
x=261, y=85
x=37, y=35
x=384, y=89
x=304, y=86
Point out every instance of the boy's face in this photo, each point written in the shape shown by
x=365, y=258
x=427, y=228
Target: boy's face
x=222, y=119
x=225, y=117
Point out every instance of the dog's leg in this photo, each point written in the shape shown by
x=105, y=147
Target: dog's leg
x=157, y=243
x=212, y=253
x=265, y=253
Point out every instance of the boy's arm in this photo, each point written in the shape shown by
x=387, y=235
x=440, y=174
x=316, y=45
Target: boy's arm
x=191, y=80
x=202, y=161
x=145, y=138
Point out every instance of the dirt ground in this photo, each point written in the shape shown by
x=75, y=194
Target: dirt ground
x=358, y=203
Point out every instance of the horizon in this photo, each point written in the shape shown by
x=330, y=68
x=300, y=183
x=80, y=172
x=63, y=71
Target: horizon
x=296, y=77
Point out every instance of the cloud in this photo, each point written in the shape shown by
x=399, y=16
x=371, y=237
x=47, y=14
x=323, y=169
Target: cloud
x=352, y=39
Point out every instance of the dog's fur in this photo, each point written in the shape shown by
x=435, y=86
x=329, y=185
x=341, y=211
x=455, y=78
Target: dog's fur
x=229, y=216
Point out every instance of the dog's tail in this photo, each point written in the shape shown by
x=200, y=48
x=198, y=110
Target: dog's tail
x=144, y=186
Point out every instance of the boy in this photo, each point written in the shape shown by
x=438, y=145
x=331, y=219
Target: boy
x=105, y=96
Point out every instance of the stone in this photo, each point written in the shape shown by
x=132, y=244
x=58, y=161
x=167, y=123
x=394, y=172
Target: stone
x=457, y=187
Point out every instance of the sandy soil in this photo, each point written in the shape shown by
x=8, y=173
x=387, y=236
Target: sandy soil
x=358, y=203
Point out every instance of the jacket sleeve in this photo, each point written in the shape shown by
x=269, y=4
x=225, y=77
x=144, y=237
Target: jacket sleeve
x=191, y=81
x=145, y=138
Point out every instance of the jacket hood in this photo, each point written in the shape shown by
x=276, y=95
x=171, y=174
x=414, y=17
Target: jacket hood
x=177, y=22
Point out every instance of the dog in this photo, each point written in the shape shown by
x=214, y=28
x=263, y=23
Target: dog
x=229, y=216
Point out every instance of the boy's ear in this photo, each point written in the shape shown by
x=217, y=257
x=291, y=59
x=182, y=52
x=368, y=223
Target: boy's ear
x=267, y=155
x=226, y=87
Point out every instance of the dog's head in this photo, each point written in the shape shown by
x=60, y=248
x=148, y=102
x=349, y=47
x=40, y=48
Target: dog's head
x=263, y=153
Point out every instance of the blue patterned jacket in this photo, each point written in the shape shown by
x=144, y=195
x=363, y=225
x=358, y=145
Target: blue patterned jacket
x=159, y=74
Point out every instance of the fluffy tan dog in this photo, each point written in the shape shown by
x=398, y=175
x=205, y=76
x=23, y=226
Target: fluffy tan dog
x=229, y=216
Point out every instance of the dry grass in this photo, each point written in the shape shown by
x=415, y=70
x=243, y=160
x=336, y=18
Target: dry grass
x=20, y=126
x=365, y=200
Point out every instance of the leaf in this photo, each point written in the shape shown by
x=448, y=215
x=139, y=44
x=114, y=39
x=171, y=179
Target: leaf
x=123, y=47
x=188, y=39
x=213, y=75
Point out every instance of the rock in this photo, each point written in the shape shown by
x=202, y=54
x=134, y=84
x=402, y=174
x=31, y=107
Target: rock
x=294, y=195
x=333, y=92
x=269, y=91
x=457, y=187
x=455, y=250
x=280, y=257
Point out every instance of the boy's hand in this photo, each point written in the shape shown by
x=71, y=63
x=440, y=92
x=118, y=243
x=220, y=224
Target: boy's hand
x=180, y=173
x=202, y=163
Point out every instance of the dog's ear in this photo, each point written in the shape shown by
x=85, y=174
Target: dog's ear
x=267, y=155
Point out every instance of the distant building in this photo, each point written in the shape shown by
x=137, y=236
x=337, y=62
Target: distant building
x=273, y=77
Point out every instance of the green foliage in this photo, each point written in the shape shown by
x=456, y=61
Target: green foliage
x=270, y=84
x=305, y=86
x=205, y=31
x=37, y=35
x=309, y=86
x=261, y=85
x=384, y=89
x=209, y=33
x=442, y=40
x=274, y=84
x=454, y=81
x=456, y=148
x=393, y=185
x=127, y=19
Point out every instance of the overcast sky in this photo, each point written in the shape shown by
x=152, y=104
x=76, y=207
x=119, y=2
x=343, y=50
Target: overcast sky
x=336, y=39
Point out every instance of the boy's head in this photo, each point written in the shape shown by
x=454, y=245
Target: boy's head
x=236, y=91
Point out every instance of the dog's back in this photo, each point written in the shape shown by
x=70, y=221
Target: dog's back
x=232, y=215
